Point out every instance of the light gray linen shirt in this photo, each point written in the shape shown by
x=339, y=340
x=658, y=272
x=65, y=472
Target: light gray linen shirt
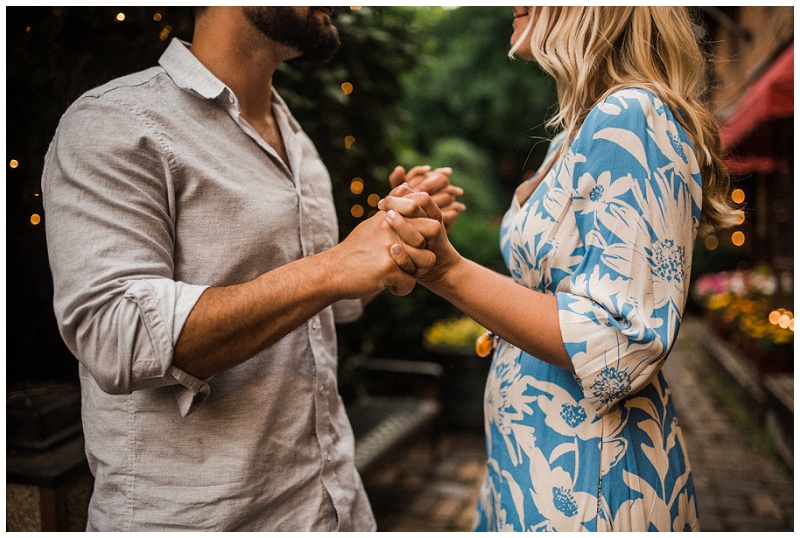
x=155, y=188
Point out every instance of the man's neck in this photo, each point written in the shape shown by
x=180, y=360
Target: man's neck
x=241, y=57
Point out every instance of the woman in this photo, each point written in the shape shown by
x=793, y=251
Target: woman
x=581, y=433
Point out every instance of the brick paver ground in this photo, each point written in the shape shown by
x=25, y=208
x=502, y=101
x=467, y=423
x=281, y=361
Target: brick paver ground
x=741, y=483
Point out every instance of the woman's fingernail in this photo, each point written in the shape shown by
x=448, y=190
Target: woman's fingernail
x=396, y=249
x=391, y=214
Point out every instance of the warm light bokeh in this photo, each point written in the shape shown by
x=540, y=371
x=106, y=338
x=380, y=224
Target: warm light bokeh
x=711, y=242
x=357, y=211
x=357, y=185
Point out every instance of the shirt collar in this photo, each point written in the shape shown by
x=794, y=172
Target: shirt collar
x=191, y=75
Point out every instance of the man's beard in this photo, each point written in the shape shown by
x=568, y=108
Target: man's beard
x=316, y=40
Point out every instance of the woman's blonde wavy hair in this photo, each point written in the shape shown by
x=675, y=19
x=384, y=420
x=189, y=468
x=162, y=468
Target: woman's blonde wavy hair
x=593, y=51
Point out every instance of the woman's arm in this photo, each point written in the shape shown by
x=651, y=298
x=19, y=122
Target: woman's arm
x=523, y=317
x=634, y=192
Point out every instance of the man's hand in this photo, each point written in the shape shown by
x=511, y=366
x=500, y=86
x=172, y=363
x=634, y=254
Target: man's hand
x=437, y=184
x=408, y=206
x=385, y=250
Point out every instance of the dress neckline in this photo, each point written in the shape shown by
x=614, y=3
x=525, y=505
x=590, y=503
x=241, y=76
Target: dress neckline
x=537, y=178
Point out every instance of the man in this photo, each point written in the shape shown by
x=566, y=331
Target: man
x=192, y=239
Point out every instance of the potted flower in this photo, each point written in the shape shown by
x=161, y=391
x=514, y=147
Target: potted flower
x=742, y=307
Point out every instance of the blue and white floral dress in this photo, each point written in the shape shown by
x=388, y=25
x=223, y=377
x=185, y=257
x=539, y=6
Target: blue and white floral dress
x=610, y=232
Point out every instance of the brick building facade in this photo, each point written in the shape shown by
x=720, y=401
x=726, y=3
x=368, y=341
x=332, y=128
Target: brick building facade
x=752, y=94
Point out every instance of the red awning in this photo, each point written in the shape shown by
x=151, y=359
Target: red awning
x=770, y=97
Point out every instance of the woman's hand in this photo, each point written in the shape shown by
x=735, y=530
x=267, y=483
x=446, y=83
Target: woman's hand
x=404, y=206
x=437, y=184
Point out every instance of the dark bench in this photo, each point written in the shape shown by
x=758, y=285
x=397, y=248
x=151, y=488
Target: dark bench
x=391, y=405
x=44, y=445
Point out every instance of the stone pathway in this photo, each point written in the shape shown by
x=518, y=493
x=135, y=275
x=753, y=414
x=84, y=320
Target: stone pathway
x=741, y=483
x=413, y=494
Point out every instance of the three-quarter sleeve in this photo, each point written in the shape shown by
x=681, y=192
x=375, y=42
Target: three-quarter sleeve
x=636, y=202
x=109, y=216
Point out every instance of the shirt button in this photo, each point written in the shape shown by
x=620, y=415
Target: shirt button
x=322, y=390
x=314, y=325
x=329, y=457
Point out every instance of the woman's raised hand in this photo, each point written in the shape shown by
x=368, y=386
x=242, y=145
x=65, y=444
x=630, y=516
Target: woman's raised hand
x=437, y=184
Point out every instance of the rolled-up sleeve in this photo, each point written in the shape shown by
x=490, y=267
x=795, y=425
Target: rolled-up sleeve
x=109, y=216
x=635, y=193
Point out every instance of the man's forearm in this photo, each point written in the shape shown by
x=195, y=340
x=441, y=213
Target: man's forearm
x=230, y=324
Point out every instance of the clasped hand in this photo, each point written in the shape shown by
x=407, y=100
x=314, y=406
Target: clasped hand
x=400, y=244
x=405, y=210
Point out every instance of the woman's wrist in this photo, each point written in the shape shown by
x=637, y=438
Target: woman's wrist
x=443, y=278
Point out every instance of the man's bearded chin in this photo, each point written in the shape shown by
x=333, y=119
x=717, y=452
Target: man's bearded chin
x=317, y=40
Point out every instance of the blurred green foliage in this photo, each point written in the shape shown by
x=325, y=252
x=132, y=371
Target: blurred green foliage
x=466, y=87
x=468, y=106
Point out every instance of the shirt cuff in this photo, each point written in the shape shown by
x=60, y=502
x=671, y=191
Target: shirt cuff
x=165, y=305
x=190, y=392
